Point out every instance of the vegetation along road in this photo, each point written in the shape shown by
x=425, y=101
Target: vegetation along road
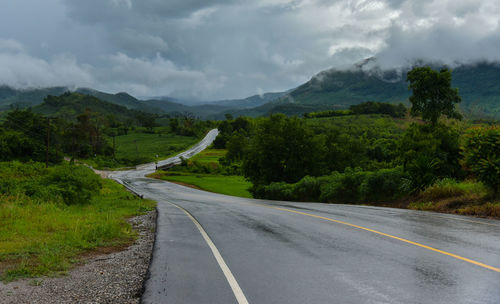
x=213, y=248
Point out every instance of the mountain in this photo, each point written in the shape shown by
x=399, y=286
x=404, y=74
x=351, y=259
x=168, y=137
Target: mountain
x=121, y=98
x=31, y=97
x=25, y=98
x=249, y=102
x=70, y=105
x=478, y=85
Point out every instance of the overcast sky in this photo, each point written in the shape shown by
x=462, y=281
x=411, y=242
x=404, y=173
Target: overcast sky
x=214, y=49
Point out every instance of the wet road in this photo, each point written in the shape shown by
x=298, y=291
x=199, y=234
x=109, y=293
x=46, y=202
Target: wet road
x=283, y=252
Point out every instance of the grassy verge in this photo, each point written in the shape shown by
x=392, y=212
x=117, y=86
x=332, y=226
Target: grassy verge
x=225, y=184
x=204, y=171
x=209, y=156
x=465, y=198
x=45, y=237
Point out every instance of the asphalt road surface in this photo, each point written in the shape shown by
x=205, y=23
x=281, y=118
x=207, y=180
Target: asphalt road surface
x=212, y=248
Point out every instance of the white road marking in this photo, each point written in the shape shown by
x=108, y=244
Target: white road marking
x=238, y=293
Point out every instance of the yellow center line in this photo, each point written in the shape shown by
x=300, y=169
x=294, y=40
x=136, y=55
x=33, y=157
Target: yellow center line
x=389, y=236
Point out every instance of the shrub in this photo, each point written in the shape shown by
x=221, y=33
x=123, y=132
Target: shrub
x=488, y=209
x=352, y=186
x=383, y=185
x=430, y=152
x=481, y=151
x=75, y=184
x=308, y=189
x=344, y=188
x=275, y=191
x=443, y=188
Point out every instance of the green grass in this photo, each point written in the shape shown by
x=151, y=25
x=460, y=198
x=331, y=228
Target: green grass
x=225, y=184
x=209, y=156
x=139, y=147
x=461, y=197
x=447, y=188
x=211, y=180
x=145, y=145
x=46, y=237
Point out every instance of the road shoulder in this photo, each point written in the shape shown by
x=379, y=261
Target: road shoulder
x=109, y=278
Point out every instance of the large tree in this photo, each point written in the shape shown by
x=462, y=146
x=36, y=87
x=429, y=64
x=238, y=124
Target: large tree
x=432, y=95
x=283, y=149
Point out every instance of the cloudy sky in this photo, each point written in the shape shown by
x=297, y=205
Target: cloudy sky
x=214, y=49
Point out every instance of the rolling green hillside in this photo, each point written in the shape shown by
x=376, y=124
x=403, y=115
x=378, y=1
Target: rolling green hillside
x=479, y=86
x=249, y=102
x=70, y=105
x=17, y=98
x=26, y=98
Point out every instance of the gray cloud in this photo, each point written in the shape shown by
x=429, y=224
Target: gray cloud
x=19, y=69
x=208, y=49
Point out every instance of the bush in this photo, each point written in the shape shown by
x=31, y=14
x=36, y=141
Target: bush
x=344, y=188
x=383, y=185
x=371, y=107
x=429, y=153
x=276, y=191
x=481, y=151
x=352, y=186
x=448, y=187
x=64, y=183
x=308, y=188
x=75, y=184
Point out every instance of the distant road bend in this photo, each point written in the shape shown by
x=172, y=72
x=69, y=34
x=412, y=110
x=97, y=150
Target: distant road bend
x=213, y=248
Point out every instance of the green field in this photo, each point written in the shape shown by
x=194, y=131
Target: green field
x=209, y=156
x=225, y=184
x=203, y=171
x=41, y=235
x=146, y=145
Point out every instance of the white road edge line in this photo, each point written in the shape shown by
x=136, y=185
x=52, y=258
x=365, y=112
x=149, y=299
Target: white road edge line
x=238, y=293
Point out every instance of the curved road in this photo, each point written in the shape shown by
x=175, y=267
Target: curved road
x=212, y=248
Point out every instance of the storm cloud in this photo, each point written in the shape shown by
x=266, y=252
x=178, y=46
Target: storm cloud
x=212, y=49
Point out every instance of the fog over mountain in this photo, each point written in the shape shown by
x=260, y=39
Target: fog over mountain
x=227, y=49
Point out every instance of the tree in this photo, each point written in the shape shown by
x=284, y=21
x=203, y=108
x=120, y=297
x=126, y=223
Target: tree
x=432, y=94
x=429, y=152
x=283, y=149
x=236, y=146
x=481, y=152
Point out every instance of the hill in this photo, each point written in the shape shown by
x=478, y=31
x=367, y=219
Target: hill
x=478, y=85
x=70, y=105
x=26, y=98
x=249, y=102
x=329, y=90
x=172, y=108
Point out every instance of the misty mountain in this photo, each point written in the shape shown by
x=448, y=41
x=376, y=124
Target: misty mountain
x=479, y=87
x=23, y=98
x=10, y=97
x=26, y=98
x=249, y=102
x=172, y=108
x=241, y=103
x=70, y=105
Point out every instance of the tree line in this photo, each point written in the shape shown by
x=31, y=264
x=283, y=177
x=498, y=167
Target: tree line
x=296, y=159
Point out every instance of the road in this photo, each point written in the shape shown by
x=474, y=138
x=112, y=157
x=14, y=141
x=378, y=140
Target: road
x=212, y=248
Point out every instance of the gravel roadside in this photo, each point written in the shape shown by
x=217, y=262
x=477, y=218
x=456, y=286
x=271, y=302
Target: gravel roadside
x=111, y=278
